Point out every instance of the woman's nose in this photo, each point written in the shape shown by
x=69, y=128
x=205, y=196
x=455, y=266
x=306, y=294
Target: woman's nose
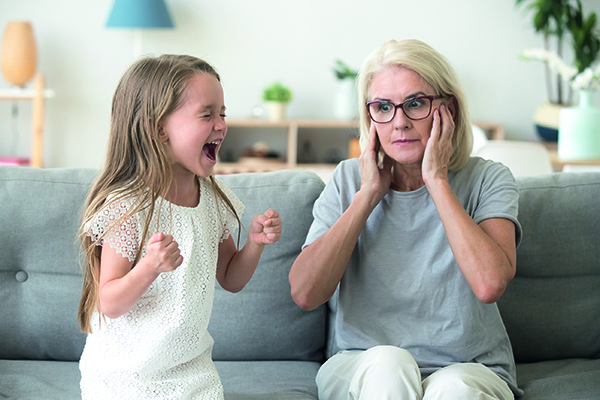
x=400, y=119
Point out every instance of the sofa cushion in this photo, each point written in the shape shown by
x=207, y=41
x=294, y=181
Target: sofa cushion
x=268, y=380
x=560, y=379
x=552, y=308
x=40, y=274
x=262, y=322
x=47, y=380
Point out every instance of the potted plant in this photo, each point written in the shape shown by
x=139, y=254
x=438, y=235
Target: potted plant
x=345, y=97
x=586, y=38
x=277, y=96
x=343, y=71
x=554, y=19
x=579, y=127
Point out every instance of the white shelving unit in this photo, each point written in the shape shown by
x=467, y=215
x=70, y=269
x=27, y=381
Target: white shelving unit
x=291, y=128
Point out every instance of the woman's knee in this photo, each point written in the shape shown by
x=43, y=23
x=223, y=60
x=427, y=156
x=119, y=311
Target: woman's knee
x=390, y=370
x=468, y=380
x=389, y=358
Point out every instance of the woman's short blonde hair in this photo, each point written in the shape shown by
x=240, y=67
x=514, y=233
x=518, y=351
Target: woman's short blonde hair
x=436, y=70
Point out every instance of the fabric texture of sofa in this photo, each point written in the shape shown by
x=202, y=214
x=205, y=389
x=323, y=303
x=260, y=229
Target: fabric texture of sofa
x=265, y=346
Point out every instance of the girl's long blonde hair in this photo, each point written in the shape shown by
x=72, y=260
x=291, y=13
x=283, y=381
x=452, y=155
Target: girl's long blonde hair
x=136, y=163
x=436, y=70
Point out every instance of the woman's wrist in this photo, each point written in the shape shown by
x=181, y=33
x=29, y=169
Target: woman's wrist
x=435, y=179
x=438, y=185
x=366, y=201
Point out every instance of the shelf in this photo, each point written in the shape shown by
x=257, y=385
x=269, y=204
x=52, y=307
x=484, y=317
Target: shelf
x=36, y=96
x=16, y=94
x=559, y=163
x=238, y=168
x=492, y=130
x=291, y=126
x=302, y=123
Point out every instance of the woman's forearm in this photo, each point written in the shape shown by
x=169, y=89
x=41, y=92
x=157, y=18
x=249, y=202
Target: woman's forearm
x=485, y=253
x=315, y=274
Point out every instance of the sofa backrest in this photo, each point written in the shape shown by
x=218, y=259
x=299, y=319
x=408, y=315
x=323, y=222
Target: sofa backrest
x=262, y=322
x=551, y=309
x=40, y=274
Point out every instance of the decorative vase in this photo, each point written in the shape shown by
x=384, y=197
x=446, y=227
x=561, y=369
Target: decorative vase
x=546, y=120
x=276, y=110
x=18, y=56
x=345, y=100
x=579, y=133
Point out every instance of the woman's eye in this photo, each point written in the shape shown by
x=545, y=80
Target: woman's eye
x=413, y=104
x=385, y=107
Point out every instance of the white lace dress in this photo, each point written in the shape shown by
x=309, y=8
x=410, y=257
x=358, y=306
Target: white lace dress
x=161, y=349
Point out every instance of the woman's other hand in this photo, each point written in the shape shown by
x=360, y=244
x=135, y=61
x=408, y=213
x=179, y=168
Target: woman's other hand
x=439, y=146
x=375, y=181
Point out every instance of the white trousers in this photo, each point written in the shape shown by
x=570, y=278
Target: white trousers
x=391, y=373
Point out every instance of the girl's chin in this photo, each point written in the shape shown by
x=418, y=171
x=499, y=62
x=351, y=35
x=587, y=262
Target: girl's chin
x=205, y=172
x=204, y=169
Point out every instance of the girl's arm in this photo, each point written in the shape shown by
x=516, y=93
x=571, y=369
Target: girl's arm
x=320, y=266
x=486, y=253
x=235, y=268
x=121, y=286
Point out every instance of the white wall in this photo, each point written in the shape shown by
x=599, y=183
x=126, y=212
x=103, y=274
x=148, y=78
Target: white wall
x=252, y=43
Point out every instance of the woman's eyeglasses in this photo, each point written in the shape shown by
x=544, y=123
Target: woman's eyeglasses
x=417, y=108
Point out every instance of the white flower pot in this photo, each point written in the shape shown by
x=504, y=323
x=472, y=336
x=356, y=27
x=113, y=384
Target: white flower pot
x=344, y=105
x=276, y=110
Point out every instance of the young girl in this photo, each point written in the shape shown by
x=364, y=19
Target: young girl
x=156, y=233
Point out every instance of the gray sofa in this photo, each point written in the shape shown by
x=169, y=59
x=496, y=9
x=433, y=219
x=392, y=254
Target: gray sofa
x=265, y=346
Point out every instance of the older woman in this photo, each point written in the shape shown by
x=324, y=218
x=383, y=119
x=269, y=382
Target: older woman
x=412, y=244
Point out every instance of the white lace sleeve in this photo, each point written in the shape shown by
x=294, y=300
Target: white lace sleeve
x=230, y=223
x=123, y=235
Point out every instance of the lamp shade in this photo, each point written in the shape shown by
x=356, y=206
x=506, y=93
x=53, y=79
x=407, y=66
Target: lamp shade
x=18, y=54
x=139, y=14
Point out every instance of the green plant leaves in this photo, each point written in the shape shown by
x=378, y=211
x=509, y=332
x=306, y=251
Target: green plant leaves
x=277, y=92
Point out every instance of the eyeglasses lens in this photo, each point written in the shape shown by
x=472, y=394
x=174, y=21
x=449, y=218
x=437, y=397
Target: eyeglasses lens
x=415, y=109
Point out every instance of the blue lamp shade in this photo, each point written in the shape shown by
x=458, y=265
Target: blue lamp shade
x=139, y=14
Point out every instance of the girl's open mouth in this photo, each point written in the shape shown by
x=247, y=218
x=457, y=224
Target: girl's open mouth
x=210, y=150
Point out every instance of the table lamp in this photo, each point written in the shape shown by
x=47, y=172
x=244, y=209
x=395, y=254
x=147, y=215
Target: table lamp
x=18, y=55
x=138, y=15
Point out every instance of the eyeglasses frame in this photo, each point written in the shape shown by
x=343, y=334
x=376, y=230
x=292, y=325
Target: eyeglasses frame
x=400, y=105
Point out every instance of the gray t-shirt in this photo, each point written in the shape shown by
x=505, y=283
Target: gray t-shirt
x=403, y=287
